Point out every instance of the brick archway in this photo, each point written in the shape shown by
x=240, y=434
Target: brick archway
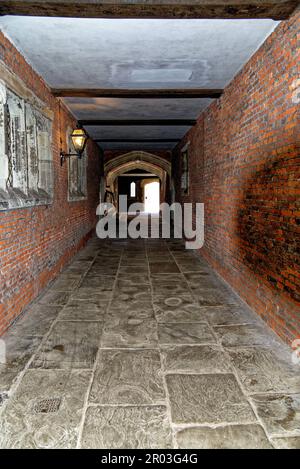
x=138, y=157
x=137, y=160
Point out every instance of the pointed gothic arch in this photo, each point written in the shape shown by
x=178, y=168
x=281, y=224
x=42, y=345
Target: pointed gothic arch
x=137, y=160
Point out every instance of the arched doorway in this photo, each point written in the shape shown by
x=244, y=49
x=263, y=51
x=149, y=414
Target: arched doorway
x=144, y=168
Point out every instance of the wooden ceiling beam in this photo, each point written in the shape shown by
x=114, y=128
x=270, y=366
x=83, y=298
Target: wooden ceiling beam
x=210, y=9
x=138, y=94
x=137, y=122
x=136, y=140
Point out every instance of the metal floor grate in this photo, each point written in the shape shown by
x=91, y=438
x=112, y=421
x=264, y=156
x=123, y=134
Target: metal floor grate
x=47, y=406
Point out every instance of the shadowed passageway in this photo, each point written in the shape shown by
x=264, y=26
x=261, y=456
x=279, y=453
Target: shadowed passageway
x=139, y=344
x=185, y=114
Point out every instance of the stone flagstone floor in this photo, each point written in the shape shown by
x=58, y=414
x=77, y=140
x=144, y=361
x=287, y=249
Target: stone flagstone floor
x=139, y=344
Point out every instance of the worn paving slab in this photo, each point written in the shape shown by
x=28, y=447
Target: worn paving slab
x=265, y=370
x=35, y=322
x=195, y=359
x=128, y=256
x=104, y=270
x=137, y=269
x=176, y=308
x=154, y=257
x=88, y=294
x=66, y=282
x=130, y=310
x=292, y=442
x=78, y=311
x=95, y=303
x=227, y=315
x=70, y=345
x=280, y=413
x=163, y=268
x=129, y=332
x=191, y=265
x=128, y=377
x=125, y=292
x=186, y=254
x=200, y=280
x=134, y=279
x=127, y=428
x=55, y=298
x=80, y=267
x=207, y=398
x=23, y=339
x=167, y=279
x=214, y=297
x=110, y=259
x=134, y=261
x=46, y=410
x=19, y=351
x=185, y=333
x=100, y=283
x=228, y=437
x=241, y=335
x=169, y=289
x=88, y=352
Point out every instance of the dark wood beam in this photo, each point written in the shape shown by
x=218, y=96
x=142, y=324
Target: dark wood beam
x=137, y=94
x=276, y=9
x=137, y=122
x=137, y=140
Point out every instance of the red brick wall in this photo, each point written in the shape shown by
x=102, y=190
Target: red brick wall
x=35, y=243
x=245, y=167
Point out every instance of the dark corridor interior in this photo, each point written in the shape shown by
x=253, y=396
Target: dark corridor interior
x=133, y=183
x=170, y=321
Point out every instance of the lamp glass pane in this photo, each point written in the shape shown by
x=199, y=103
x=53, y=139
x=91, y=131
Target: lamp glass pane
x=79, y=138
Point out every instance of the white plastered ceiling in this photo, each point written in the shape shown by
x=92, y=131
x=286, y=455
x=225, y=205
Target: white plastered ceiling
x=136, y=54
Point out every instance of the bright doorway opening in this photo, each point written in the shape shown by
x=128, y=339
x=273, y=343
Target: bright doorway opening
x=151, y=197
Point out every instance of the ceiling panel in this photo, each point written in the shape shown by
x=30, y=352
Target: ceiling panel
x=112, y=108
x=136, y=54
x=80, y=52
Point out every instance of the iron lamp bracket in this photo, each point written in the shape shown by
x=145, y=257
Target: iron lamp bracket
x=64, y=156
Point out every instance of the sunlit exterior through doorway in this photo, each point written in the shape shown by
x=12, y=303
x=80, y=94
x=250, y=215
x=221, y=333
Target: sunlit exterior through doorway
x=151, y=197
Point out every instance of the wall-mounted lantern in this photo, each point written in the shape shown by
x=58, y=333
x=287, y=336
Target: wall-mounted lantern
x=79, y=138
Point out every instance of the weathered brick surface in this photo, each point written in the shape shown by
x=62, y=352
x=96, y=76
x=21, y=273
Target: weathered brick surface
x=245, y=167
x=35, y=243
